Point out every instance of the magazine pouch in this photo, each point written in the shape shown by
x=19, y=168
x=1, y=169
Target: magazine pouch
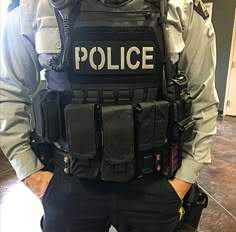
x=118, y=143
x=80, y=130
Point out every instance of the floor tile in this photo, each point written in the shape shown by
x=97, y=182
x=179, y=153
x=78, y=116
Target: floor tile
x=216, y=219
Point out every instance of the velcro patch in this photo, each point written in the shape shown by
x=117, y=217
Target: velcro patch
x=200, y=8
x=114, y=57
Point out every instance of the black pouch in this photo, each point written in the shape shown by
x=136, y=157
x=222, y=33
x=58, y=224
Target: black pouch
x=161, y=123
x=151, y=120
x=80, y=130
x=46, y=106
x=118, y=143
x=144, y=125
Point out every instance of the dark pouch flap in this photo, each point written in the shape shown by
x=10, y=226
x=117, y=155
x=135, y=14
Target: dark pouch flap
x=85, y=167
x=117, y=171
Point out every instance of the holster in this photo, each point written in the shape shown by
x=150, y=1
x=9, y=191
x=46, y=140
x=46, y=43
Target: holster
x=194, y=202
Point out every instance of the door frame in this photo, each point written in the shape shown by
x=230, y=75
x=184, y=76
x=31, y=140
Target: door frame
x=233, y=47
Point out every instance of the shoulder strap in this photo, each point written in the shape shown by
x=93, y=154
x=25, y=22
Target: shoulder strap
x=163, y=21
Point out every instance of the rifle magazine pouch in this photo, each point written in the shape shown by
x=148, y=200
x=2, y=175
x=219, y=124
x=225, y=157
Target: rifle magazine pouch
x=144, y=125
x=118, y=143
x=80, y=131
x=46, y=106
x=161, y=123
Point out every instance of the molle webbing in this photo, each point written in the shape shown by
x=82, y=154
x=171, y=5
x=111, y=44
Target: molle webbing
x=118, y=96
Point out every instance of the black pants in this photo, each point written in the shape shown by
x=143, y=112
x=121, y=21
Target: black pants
x=149, y=204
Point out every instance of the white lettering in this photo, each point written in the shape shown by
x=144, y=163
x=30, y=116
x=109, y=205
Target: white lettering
x=122, y=58
x=146, y=57
x=128, y=58
x=103, y=58
x=131, y=58
x=111, y=66
x=78, y=50
x=91, y=60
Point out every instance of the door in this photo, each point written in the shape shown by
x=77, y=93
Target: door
x=231, y=98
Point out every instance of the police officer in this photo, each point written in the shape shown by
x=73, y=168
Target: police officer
x=150, y=203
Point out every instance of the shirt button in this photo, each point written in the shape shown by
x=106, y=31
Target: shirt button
x=58, y=44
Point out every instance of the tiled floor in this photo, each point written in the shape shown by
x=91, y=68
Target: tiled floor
x=20, y=211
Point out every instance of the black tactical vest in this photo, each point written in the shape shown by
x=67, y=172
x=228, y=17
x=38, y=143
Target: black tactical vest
x=121, y=115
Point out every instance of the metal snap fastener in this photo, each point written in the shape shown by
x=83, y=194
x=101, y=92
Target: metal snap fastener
x=58, y=44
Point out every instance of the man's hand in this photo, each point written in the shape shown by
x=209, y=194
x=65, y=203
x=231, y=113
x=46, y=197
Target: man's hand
x=181, y=187
x=38, y=182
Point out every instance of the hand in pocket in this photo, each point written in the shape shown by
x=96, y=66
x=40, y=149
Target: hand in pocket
x=38, y=182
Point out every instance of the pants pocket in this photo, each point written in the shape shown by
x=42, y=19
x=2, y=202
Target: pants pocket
x=118, y=143
x=81, y=137
x=49, y=188
x=172, y=191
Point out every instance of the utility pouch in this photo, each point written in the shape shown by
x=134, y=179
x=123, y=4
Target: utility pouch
x=170, y=160
x=46, y=106
x=151, y=120
x=118, y=143
x=80, y=131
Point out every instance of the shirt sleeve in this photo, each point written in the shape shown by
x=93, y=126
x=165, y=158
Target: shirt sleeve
x=19, y=79
x=195, y=44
